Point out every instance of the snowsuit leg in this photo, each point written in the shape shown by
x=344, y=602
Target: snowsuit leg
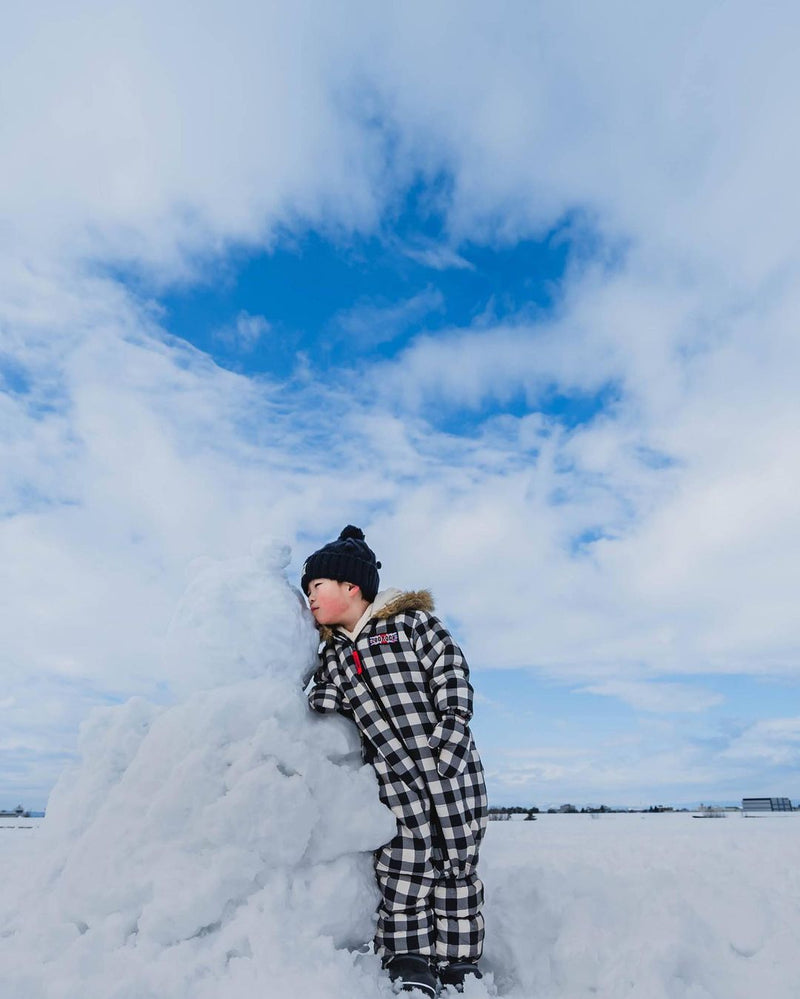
x=406, y=878
x=426, y=907
x=460, y=812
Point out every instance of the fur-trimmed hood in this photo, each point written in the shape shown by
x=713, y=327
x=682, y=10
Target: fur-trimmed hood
x=385, y=604
x=397, y=601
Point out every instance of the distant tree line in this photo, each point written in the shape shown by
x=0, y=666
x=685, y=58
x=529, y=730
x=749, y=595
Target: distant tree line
x=497, y=812
x=530, y=811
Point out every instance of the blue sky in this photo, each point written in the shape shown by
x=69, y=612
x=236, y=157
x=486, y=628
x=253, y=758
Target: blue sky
x=519, y=303
x=576, y=731
x=338, y=300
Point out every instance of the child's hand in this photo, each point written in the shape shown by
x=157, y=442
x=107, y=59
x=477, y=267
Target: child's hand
x=451, y=737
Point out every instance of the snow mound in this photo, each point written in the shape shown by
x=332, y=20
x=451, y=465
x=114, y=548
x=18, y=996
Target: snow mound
x=237, y=620
x=220, y=847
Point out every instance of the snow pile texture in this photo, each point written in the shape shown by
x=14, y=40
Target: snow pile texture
x=218, y=847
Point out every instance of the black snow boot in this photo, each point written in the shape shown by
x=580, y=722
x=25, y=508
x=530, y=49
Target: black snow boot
x=455, y=973
x=411, y=971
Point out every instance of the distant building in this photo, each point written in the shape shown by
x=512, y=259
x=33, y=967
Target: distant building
x=766, y=805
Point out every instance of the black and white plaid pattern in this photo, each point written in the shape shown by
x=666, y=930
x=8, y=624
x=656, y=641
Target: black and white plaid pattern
x=403, y=675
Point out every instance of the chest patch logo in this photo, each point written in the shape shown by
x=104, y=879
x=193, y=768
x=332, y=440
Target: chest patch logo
x=384, y=639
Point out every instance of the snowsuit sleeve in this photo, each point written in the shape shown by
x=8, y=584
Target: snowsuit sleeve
x=324, y=695
x=451, y=691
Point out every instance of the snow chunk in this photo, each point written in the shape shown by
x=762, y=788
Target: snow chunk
x=218, y=847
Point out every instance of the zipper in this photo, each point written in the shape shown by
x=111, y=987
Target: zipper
x=364, y=678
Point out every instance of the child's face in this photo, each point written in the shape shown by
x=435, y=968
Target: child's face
x=331, y=601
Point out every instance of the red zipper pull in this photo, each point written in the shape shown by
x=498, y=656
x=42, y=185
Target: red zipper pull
x=357, y=659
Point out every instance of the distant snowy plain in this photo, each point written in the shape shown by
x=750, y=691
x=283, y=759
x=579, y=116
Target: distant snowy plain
x=644, y=906
x=220, y=848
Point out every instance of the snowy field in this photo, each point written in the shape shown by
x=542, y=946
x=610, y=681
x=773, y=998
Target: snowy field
x=657, y=906
x=220, y=848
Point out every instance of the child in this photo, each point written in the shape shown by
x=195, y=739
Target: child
x=392, y=667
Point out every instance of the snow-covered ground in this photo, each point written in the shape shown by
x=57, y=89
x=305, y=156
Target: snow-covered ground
x=656, y=906
x=221, y=849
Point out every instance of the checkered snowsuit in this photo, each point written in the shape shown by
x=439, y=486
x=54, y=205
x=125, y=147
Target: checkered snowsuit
x=403, y=674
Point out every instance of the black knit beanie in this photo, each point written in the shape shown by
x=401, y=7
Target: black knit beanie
x=349, y=559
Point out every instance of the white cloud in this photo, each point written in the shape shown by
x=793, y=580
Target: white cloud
x=159, y=143
x=654, y=761
x=655, y=697
x=437, y=257
x=163, y=140
x=245, y=333
x=628, y=771
x=374, y=322
x=775, y=742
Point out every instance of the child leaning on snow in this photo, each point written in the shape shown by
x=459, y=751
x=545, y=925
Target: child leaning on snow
x=393, y=668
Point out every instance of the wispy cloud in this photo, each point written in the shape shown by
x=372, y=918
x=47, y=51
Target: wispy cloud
x=628, y=771
x=438, y=257
x=775, y=741
x=245, y=332
x=374, y=322
x=659, y=698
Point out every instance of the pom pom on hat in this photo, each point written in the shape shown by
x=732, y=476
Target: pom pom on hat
x=349, y=559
